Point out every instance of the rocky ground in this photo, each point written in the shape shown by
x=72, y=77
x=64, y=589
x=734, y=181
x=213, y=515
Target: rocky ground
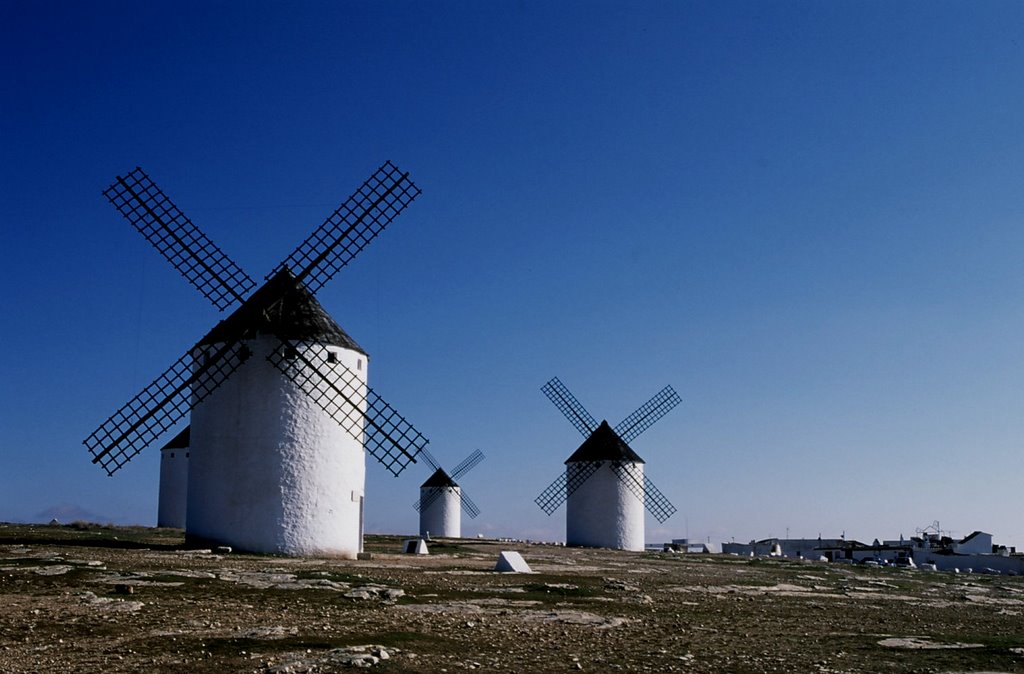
x=89, y=599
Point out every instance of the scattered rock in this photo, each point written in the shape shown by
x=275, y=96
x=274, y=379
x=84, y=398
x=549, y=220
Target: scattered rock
x=923, y=643
x=269, y=632
x=379, y=592
x=351, y=656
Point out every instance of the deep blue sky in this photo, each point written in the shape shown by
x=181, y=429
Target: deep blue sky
x=806, y=217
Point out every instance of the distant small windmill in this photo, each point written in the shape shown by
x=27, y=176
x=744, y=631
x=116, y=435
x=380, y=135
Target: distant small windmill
x=281, y=413
x=604, y=486
x=442, y=500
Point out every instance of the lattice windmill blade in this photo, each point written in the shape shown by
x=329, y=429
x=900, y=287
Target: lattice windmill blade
x=161, y=405
x=429, y=459
x=191, y=252
x=385, y=433
x=468, y=464
x=558, y=491
x=352, y=226
x=657, y=503
x=553, y=496
x=647, y=414
x=567, y=404
x=654, y=501
x=431, y=497
x=468, y=506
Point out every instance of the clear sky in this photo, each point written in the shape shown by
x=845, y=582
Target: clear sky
x=806, y=217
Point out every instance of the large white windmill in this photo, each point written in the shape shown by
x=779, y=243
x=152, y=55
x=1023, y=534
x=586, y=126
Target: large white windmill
x=604, y=486
x=442, y=500
x=281, y=413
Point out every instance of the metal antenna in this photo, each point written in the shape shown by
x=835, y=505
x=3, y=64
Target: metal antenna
x=191, y=252
x=567, y=404
x=647, y=414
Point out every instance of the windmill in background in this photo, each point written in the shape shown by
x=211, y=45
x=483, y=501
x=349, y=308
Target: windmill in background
x=442, y=500
x=604, y=486
x=280, y=410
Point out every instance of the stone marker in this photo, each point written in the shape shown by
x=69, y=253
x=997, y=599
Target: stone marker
x=415, y=546
x=512, y=562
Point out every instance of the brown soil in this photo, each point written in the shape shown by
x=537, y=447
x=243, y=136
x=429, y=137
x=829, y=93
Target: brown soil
x=90, y=599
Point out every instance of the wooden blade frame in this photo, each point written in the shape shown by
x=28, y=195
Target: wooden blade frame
x=388, y=437
x=468, y=464
x=195, y=256
x=559, y=491
x=647, y=414
x=654, y=501
x=351, y=227
x=569, y=406
x=161, y=405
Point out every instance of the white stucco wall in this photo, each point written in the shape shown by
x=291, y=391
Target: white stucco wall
x=443, y=517
x=603, y=512
x=270, y=471
x=173, y=488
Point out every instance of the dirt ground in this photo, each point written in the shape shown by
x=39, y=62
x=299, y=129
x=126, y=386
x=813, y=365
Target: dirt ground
x=90, y=599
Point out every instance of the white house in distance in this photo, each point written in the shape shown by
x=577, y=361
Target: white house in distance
x=975, y=553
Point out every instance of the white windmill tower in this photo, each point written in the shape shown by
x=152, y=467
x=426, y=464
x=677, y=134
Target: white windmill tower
x=442, y=500
x=281, y=413
x=604, y=486
x=174, y=458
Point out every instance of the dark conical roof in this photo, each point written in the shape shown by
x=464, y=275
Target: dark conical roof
x=180, y=441
x=604, y=444
x=282, y=307
x=439, y=479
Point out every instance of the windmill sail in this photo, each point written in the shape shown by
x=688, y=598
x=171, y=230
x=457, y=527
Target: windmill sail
x=654, y=501
x=352, y=226
x=389, y=438
x=191, y=252
x=567, y=404
x=639, y=421
x=159, y=406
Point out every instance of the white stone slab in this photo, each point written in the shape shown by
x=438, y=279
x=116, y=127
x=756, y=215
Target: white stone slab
x=512, y=562
x=414, y=546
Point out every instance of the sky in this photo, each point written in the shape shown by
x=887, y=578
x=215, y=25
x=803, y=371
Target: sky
x=804, y=216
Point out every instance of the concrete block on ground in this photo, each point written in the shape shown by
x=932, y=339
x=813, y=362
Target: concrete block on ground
x=512, y=562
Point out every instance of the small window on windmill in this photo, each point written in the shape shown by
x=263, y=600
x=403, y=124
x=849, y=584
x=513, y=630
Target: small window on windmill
x=172, y=455
x=332, y=356
x=359, y=364
x=187, y=454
